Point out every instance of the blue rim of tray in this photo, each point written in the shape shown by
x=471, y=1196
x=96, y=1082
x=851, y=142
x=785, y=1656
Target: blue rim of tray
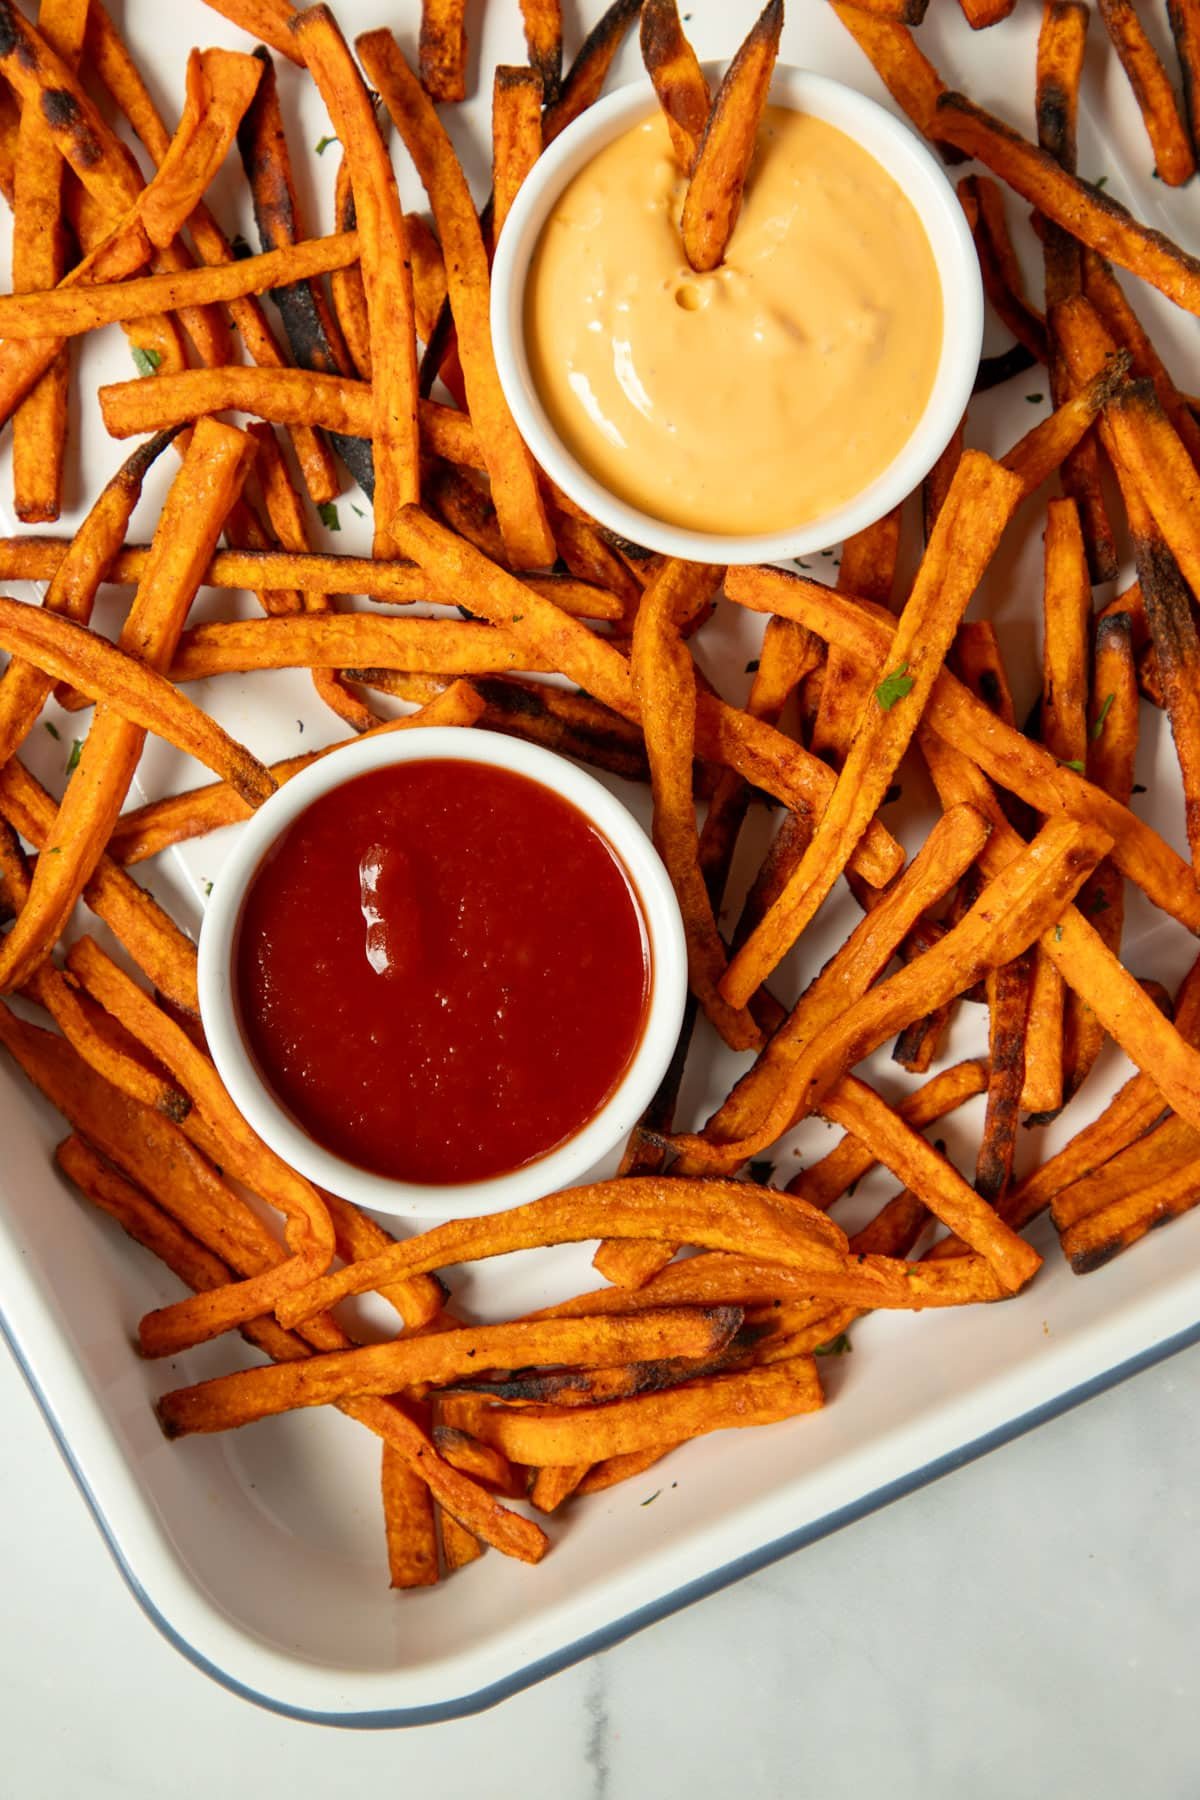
x=388, y=1718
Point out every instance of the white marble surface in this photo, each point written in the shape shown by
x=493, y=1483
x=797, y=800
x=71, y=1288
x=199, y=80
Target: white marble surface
x=1028, y=1626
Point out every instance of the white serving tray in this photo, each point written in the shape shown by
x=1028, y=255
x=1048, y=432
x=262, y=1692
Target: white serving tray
x=260, y=1555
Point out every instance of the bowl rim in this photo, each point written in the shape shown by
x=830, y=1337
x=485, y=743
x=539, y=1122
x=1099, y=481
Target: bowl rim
x=916, y=170
x=569, y=1161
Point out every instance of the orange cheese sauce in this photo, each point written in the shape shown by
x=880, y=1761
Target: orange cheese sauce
x=764, y=394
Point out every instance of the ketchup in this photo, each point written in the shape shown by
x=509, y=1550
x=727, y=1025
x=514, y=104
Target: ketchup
x=442, y=971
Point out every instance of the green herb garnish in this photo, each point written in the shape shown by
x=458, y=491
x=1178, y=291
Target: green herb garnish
x=52, y=729
x=838, y=1346
x=328, y=513
x=76, y=753
x=1098, y=727
x=894, y=687
x=653, y=1497
x=146, y=362
x=1035, y=399
x=752, y=666
x=1073, y=764
x=322, y=144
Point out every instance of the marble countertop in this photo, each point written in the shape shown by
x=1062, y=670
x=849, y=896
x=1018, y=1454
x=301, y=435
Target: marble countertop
x=1027, y=1626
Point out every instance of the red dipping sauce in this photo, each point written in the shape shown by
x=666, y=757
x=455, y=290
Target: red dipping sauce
x=442, y=971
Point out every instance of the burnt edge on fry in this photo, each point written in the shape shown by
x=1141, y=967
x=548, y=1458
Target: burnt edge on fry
x=269, y=180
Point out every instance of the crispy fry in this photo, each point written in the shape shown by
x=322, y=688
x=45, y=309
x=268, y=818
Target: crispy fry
x=722, y=735
x=541, y=1436
x=516, y=136
x=722, y=162
x=228, y=1401
x=519, y=509
x=678, y=79
x=1105, y=294
x=851, y=1159
x=981, y=13
x=483, y=1463
x=543, y=41
x=586, y=76
x=443, y=49
x=343, y=641
x=1103, y=1234
x=950, y=848
x=1185, y=28
x=387, y=276
x=1002, y=279
x=212, y=473
x=1047, y=446
x=909, y=76
x=1008, y=997
x=265, y=19
x=201, y=1271
x=1165, y=1146
x=720, y=1215
x=116, y=69
x=982, y=500
x=74, y=580
x=554, y=1485
x=408, y=1520
x=284, y=396
x=1080, y=209
x=459, y=1546
x=1112, y=746
x=346, y=289
x=135, y=691
x=68, y=312
x=1174, y=161
x=665, y=683
x=1012, y=911
x=615, y=1469
x=38, y=261
x=1011, y=759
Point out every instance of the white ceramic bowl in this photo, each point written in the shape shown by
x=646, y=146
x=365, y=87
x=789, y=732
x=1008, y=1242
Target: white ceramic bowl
x=560, y=1167
x=909, y=163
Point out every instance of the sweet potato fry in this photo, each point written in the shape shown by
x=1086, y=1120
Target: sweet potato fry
x=348, y=295
x=115, y=68
x=1062, y=43
x=678, y=79
x=719, y=1215
x=516, y=136
x=587, y=73
x=1047, y=446
x=1011, y=912
x=665, y=684
x=212, y=473
x=982, y=500
x=903, y=12
x=1185, y=28
x=201, y=1271
x=868, y=569
x=1174, y=160
x=554, y=1485
x=268, y=20
x=950, y=848
x=443, y=49
x=908, y=75
x=849, y=1160
x=480, y=1461
x=1107, y=297
x=1008, y=997
x=515, y=492
x=284, y=396
x=83, y=564
x=759, y=753
x=614, y=1469
x=459, y=1546
x=387, y=276
x=38, y=262
x=1167, y=1145
x=1080, y=209
x=981, y=13
x=228, y=1401
x=541, y=1436
x=1002, y=279
x=1103, y=1234
x=408, y=1521
x=1011, y=759
x=1112, y=746
x=135, y=691
x=543, y=41
x=68, y=312
x=343, y=641
x=722, y=162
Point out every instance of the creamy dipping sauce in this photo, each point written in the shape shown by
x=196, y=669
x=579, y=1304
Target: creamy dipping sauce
x=764, y=394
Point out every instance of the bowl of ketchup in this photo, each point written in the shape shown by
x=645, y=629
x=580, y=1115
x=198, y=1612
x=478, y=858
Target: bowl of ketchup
x=442, y=973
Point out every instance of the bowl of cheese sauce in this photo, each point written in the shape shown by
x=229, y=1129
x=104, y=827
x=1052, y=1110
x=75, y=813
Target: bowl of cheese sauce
x=782, y=401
